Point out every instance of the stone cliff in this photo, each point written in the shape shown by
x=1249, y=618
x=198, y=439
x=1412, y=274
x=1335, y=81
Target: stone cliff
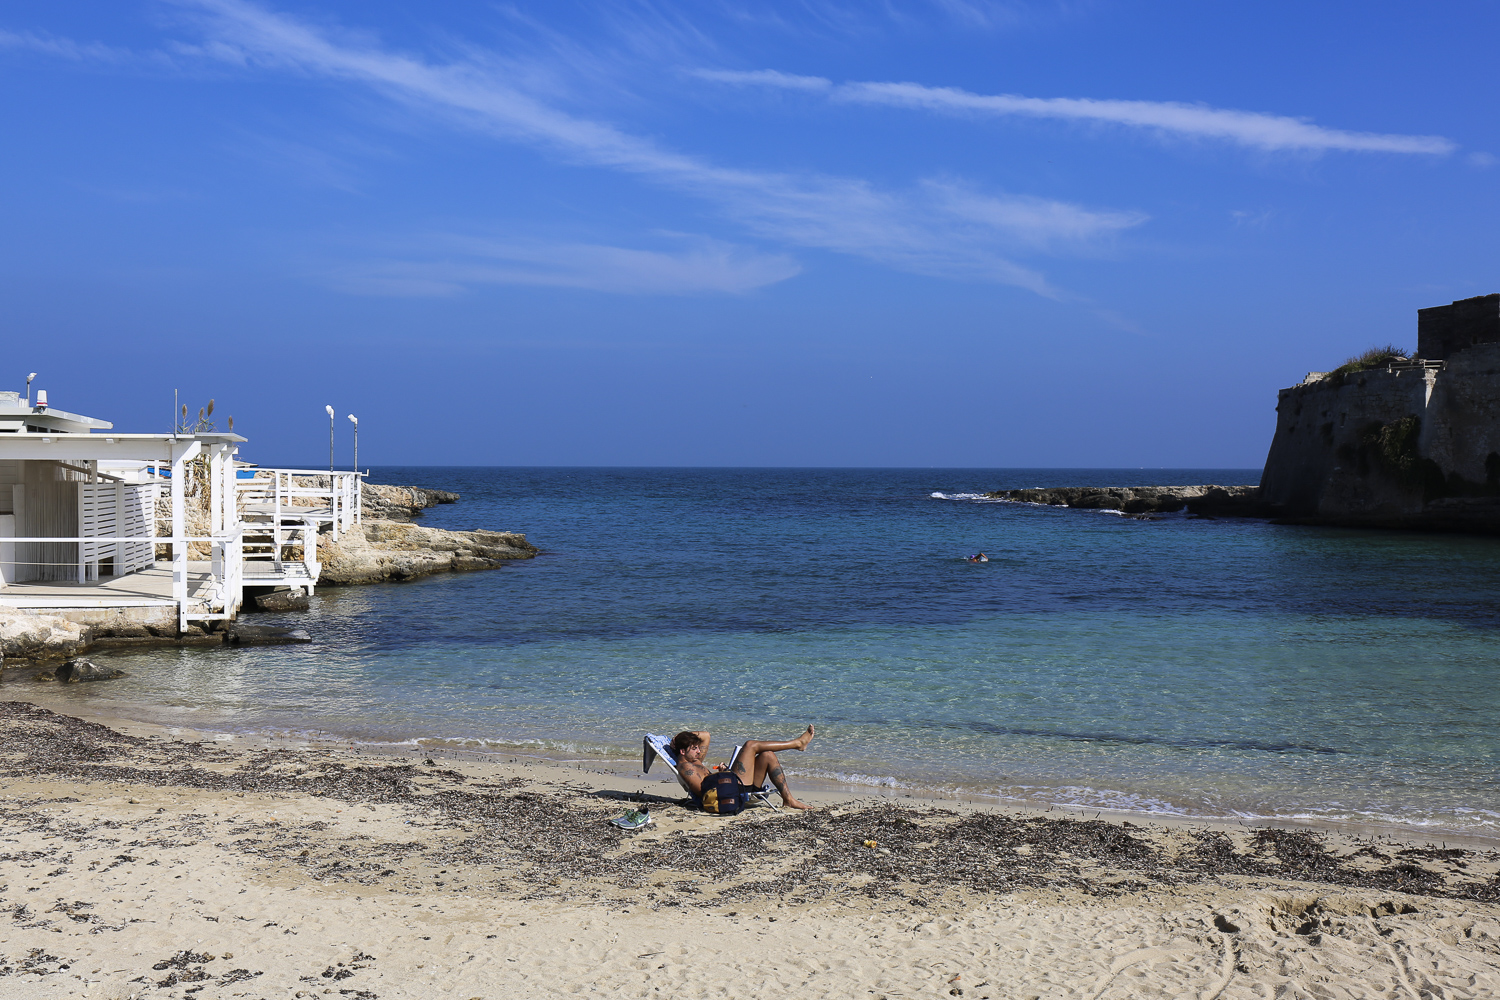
x=1414, y=443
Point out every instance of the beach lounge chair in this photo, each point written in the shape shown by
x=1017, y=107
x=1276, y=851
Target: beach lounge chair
x=655, y=747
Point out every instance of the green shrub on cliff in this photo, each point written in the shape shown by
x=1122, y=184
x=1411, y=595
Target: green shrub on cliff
x=1375, y=357
x=1396, y=445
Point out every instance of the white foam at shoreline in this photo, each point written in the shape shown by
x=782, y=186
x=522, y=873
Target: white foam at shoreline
x=979, y=497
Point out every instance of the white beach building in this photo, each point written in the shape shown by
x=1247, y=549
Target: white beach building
x=85, y=512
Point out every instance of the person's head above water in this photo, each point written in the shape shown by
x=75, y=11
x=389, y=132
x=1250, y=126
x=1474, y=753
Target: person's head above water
x=684, y=741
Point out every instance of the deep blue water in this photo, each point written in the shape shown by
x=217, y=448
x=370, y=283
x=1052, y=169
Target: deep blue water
x=1206, y=667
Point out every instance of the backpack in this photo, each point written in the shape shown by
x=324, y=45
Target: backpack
x=721, y=794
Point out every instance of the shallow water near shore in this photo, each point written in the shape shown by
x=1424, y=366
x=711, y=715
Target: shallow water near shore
x=1185, y=666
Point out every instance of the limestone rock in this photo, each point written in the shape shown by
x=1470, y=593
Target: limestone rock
x=380, y=550
x=79, y=670
x=34, y=637
x=1223, y=501
x=400, y=503
x=283, y=600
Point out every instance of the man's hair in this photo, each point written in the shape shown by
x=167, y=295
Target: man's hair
x=684, y=740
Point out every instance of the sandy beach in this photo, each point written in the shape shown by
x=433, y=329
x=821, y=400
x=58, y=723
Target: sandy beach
x=133, y=864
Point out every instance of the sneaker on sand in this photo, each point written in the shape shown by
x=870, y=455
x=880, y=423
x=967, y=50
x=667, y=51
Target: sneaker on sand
x=633, y=819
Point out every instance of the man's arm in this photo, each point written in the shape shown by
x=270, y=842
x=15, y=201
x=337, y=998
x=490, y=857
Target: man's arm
x=704, y=737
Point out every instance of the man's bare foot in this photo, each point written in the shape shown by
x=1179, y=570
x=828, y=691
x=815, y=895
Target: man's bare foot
x=792, y=803
x=806, y=738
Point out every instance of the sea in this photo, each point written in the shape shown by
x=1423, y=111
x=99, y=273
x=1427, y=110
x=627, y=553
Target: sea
x=1177, y=666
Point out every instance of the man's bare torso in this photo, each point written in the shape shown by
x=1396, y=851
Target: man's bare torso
x=694, y=774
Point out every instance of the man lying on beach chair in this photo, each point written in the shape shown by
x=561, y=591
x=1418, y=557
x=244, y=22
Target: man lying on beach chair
x=753, y=762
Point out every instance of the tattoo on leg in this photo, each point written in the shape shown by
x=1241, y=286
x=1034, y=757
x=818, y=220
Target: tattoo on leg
x=778, y=778
x=739, y=768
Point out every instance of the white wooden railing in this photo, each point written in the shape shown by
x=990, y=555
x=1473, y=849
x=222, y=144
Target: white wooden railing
x=332, y=498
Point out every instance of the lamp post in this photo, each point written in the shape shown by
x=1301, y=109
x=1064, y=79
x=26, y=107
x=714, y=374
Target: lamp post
x=28, y=387
x=359, y=484
x=330, y=443
x=355, y=421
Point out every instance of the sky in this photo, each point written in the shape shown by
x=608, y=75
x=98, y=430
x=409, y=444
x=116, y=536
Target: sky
x=957, y=233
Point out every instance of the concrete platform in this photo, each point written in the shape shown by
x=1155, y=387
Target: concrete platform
x=147, y=588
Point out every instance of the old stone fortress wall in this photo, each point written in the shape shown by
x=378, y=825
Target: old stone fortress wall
x=1413, y=442
x=1383, y=441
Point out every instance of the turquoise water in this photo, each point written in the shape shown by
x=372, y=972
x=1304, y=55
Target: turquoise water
x=1188, y=666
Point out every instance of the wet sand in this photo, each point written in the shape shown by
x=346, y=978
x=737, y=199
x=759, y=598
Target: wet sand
x=137, y=865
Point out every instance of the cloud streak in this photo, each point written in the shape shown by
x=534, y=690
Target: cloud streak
x=1256, y=130
x=457, y=264
x=765, y=78
x=62, y=48
x=928, y=230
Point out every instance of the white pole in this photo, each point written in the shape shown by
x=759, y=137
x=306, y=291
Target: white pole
x=357, y=494
x=179, y=548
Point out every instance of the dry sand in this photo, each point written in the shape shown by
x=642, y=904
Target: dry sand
x=134, y=865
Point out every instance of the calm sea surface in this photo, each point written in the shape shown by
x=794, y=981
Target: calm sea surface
x=1188, y=666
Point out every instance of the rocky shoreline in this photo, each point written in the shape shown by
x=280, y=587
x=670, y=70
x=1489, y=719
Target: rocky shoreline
x=381, y=550
x=1202, y=501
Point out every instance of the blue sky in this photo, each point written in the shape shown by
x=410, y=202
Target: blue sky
x=910, y=233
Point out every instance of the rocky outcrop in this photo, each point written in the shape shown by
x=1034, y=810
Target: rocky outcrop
x=25, y=636
x=283, y=600
x=80, y=670
x=379, y=550
x=1208, y=501
x=400, y=503
x=264, y=635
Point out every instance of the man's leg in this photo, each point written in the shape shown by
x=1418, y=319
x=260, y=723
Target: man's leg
x=767, y=765
x=758, y=761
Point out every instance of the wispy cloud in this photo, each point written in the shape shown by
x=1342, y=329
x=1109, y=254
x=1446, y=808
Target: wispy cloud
x=929, y=229
x=1038, y=222
x=62, y=48
x=1253, y=129
x=765, y=78
x=450, y=265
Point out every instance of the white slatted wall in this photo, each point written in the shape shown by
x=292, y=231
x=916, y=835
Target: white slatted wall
x=108, y=510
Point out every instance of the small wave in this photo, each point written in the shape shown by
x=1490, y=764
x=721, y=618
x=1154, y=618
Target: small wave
x=846, y=778
x=984, y=498
x=1084, y=797
x=549, y=748
x=1457, y=820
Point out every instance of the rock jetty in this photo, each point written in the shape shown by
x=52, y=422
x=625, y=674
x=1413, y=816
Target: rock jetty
x=379, y=550
x=387, y=546
x=400, y=503
x=1206, y=501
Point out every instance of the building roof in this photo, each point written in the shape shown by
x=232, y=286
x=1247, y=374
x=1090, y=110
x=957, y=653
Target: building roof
x=17, y=416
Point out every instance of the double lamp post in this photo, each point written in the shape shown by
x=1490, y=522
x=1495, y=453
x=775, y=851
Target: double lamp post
x=353, y=420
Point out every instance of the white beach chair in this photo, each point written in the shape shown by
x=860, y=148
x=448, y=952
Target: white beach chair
x=654, y=747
